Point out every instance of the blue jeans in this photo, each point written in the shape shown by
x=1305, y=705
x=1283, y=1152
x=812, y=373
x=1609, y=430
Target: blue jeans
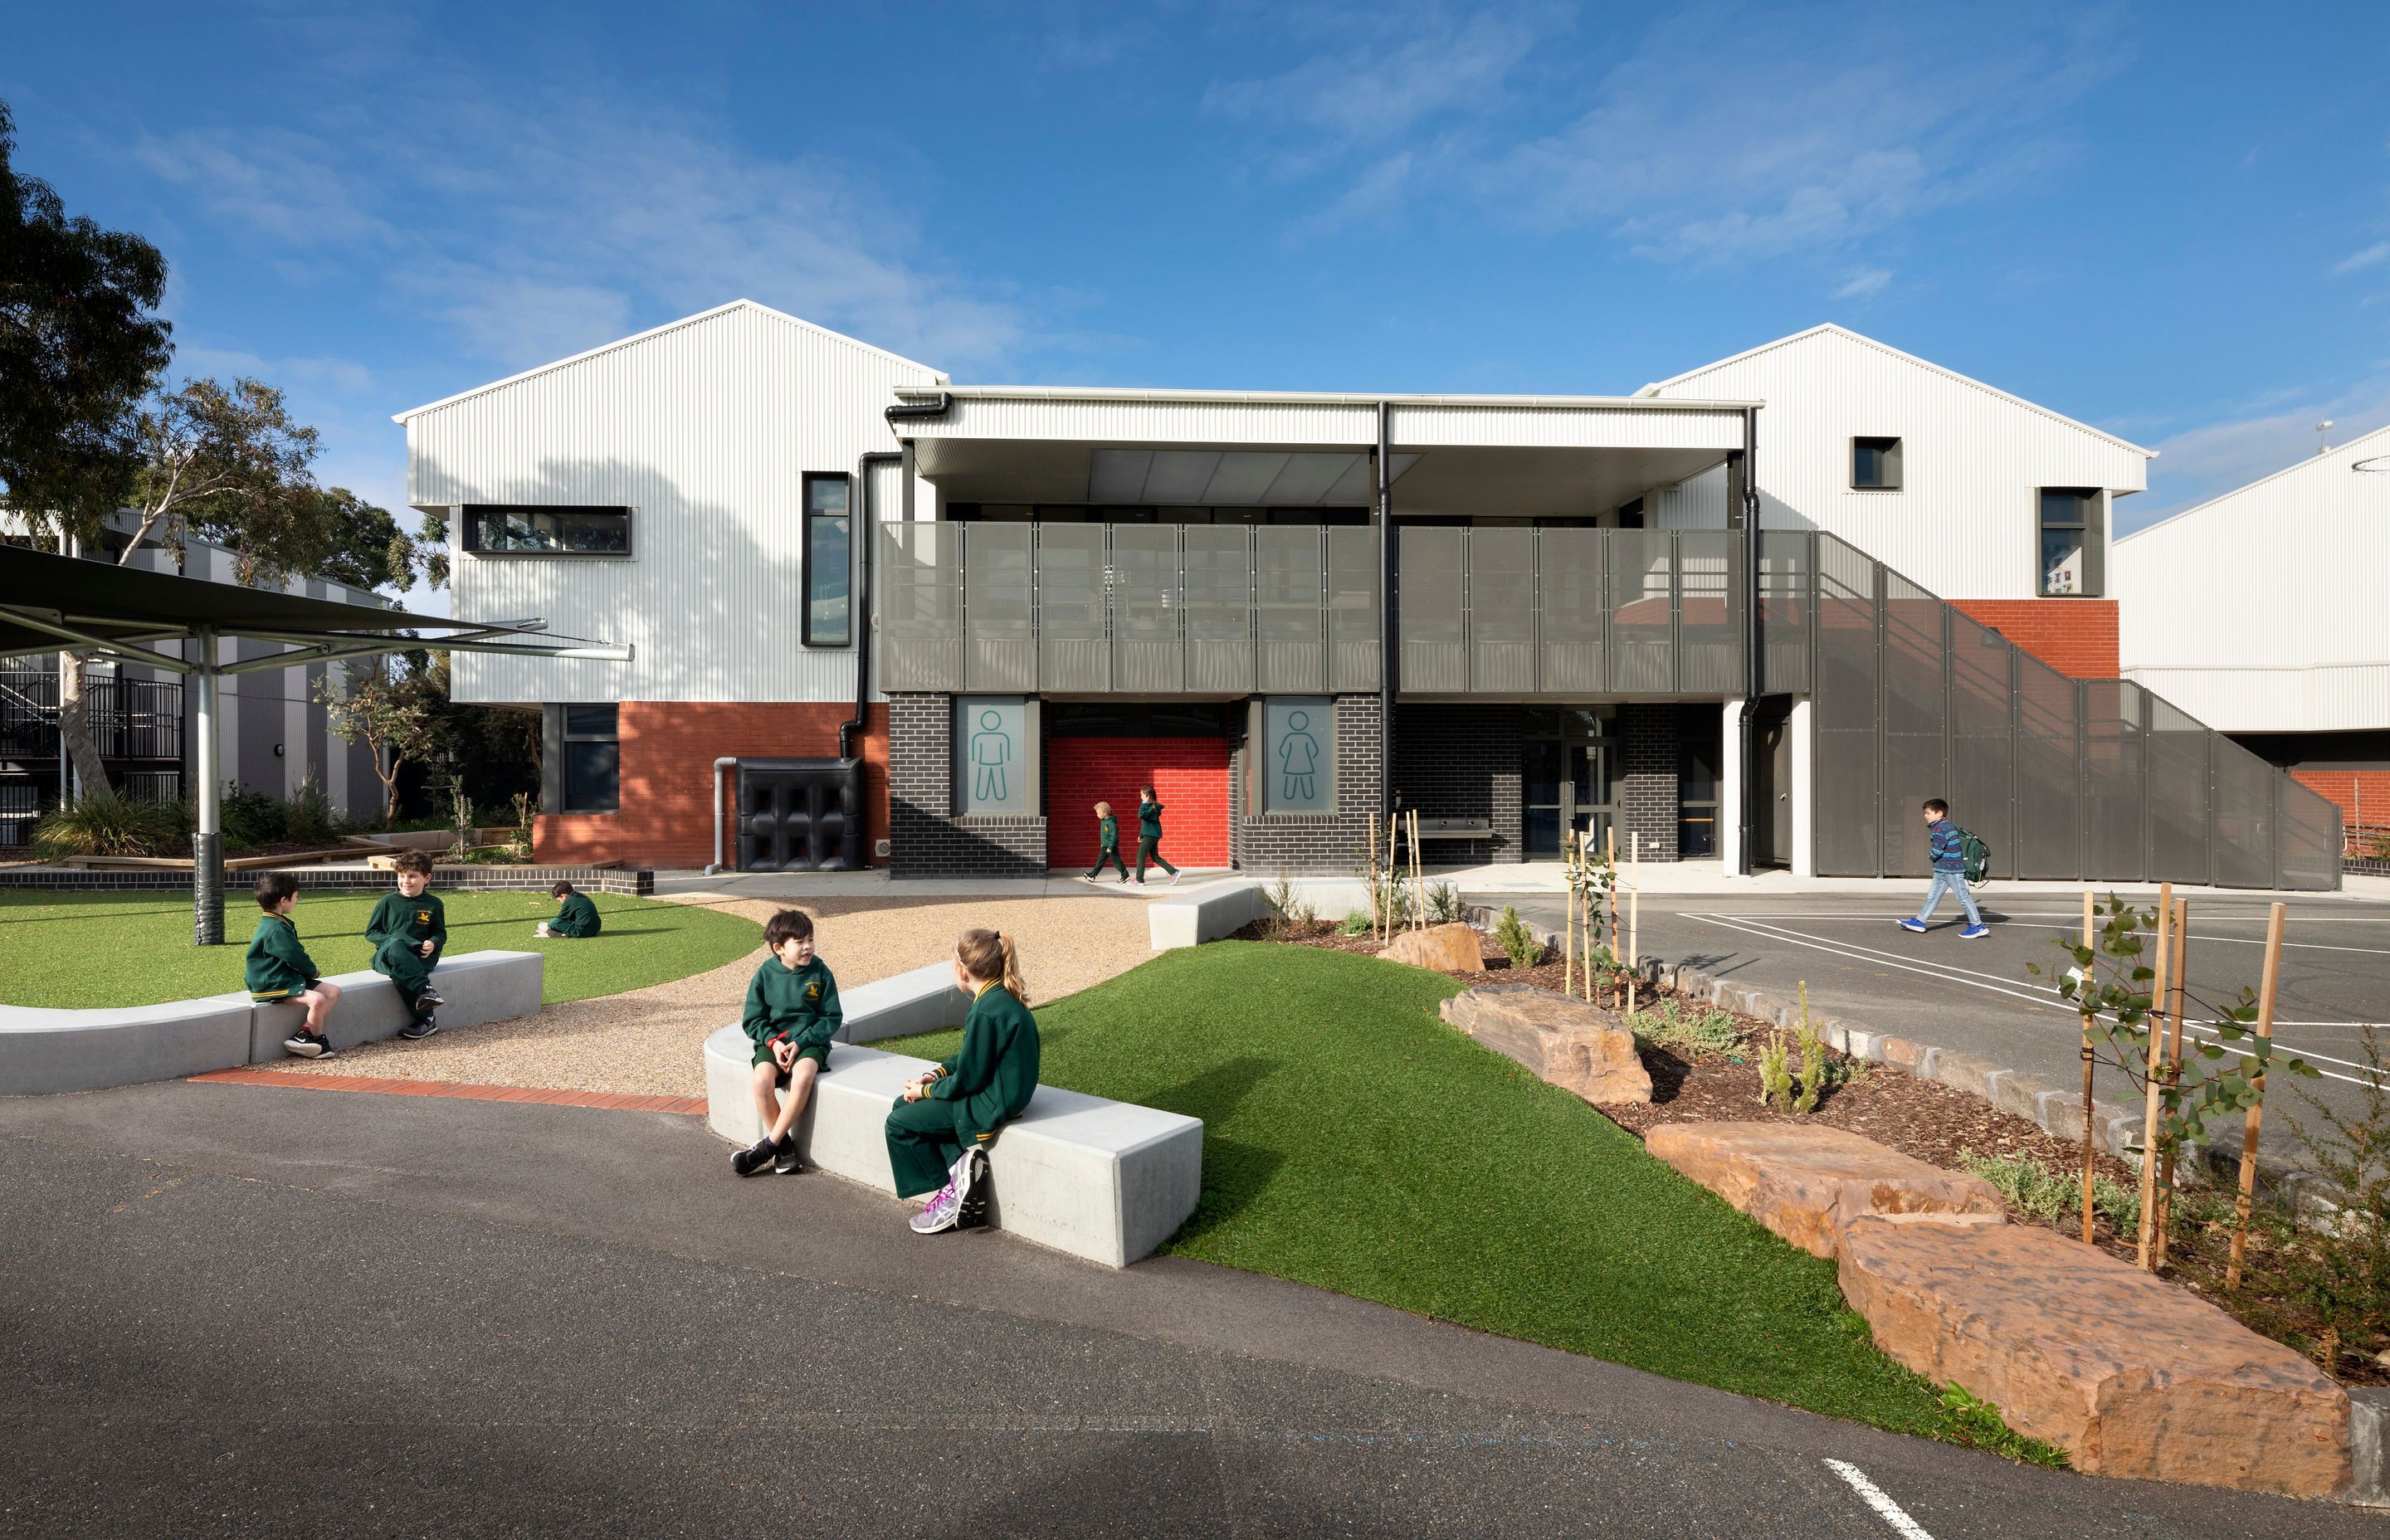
x=1954, y=884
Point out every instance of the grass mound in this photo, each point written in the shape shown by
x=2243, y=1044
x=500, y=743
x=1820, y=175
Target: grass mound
x=1353, y=1141
x=90, y=950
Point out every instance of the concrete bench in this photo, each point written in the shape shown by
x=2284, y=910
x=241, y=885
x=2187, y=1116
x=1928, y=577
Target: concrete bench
x=1205, y=914
x=44, y=1051
x=478, y=986
x=1103, y=1180
x=922, y=1000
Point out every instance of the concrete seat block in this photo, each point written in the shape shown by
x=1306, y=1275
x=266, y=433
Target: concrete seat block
x=46, y=1051
x=922, y=1000
x=478, y=986
x=1104, y=1180
x=1205, y=914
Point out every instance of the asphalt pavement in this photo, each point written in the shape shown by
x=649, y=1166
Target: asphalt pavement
x=1978, y=996
x=256, y=1311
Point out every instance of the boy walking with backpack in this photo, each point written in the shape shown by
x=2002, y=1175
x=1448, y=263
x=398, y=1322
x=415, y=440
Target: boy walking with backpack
x=1947, y=844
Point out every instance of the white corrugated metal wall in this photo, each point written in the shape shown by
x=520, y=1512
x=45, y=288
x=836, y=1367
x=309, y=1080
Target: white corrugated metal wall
x=2263, y=610
x=1964, y=523
x=706, y=429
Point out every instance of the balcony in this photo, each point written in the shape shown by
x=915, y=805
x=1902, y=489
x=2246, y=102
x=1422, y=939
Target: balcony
x=131, y=719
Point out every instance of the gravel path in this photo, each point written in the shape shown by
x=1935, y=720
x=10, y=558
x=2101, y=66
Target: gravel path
x=646, y=1041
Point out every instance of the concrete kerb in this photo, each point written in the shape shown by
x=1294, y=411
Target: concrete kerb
x=1206, y=914
x=2369, y=1446
x=478, y=987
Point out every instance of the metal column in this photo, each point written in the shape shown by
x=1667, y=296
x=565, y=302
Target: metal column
x=1748, y=729
x=207, y=838
x=1389, y=644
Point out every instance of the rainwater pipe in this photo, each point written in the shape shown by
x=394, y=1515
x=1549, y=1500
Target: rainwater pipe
x=863, y=608
x=728, y=761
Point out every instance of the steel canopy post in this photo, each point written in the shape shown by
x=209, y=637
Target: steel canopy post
x=1389, y=645
x=1747, y=729
x=207, y=836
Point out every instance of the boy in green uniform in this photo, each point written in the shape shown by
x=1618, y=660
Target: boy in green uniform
x=407, y=929
x=577, y=919
x=277, y=968
x=1107, y=837
x=791, y=1017
x=941, y=1125
x=1149, y=835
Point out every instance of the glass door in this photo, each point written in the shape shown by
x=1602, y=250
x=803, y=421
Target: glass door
x=1568, y=779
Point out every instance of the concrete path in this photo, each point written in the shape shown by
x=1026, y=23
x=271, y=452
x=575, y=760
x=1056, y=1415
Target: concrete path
x=238, y=1310
x=1976, y=995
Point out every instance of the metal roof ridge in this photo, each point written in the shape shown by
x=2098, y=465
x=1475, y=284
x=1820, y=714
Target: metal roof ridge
x=2303, y=463
x=1331, y=398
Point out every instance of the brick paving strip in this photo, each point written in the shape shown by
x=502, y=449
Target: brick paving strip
x=463, y=1091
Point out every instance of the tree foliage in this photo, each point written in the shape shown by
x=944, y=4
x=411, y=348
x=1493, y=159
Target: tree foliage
x=385, y=703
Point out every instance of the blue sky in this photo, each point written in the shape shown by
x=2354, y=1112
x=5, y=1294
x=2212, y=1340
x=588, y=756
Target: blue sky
x=2171, y=221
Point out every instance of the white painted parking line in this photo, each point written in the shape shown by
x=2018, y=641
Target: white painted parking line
x=2238, y=941
x=1874, y=1496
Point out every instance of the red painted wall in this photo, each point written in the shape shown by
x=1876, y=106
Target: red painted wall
x=2363, y=795
x=1189, y=775
x=665, y=810
x=2078, y=637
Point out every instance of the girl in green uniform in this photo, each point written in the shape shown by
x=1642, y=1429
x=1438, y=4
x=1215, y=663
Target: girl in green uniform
x=939, y=1130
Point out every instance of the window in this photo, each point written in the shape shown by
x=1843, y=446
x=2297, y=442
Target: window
x=1697, y=781
x=1875, y=465
x=590, y=766
x=1630, y=515
x=829, y=560
x=548, y=530
x=2072, y=541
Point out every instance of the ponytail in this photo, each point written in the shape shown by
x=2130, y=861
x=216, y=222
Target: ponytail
x=989, y=956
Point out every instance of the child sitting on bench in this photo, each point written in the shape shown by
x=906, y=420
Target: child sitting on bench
x=941, y=1127
x=408, y=930
x=277, y=968
x=791, y=1015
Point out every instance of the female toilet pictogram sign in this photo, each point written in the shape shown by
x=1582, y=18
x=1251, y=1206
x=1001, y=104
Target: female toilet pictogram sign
x=1298, y=755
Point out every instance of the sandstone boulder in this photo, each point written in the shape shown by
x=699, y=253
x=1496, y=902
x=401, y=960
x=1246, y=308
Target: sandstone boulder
x=1446, y=949
x=1566, y=1042
x=1805, y=1181
x=2129, y=1375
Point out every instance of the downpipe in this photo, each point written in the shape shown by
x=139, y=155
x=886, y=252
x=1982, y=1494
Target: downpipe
x=728, y=761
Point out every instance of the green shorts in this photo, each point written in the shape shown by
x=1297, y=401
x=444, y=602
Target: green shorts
x=819, y=1053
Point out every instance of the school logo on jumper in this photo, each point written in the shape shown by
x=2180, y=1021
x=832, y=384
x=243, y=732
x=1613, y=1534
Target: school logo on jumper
x=813, y=990
x=422, y=917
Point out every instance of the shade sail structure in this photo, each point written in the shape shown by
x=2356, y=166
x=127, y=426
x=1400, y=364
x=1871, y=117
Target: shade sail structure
x=52, y=603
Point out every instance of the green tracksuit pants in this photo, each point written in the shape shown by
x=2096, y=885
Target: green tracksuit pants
x=407, y=968
x=922, y=1143
x=1150, y=850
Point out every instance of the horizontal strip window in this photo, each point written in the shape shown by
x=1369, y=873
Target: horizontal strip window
x=497, y=529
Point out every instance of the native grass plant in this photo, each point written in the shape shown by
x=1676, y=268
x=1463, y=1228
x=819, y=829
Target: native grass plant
x=2051, y=1196
x=1517, y=940
x=1776, y=1072
x=1695, y=1032
x=1355, y=923
x=104, y=823
x=308, y=818
x=1781, y=1085
x=2110, y=987
x=2339, y=1267
x=1443, y=904
x=1290, y=914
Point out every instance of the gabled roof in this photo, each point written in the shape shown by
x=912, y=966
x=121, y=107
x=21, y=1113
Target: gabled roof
x=658, y=331
x=1829, y=329
x=2310, y=463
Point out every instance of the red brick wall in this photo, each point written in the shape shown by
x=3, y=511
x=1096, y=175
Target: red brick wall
x=665, y=815
x=2078, y=637
x=2363, y=795
x=1189, y=775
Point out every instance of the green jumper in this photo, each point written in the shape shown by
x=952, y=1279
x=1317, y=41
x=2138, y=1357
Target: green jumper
x=988, y=1083
x=577, y=920
x=1149, y=839
x=1107, y=837
x=798, y=1003
x=397, y=928
x=277, y=967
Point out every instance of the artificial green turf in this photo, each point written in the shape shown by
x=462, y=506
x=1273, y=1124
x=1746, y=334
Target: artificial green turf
x=84, y=950
x=1352, y=1141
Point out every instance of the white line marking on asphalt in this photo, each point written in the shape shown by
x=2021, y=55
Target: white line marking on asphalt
x=2238, y=941
x=1874, y=1496
x=2257, y=918
x=1788, y=932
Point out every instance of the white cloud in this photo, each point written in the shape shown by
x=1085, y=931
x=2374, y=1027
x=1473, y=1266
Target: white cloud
x=1866, y=284
x=2215, y=458
x=2357, y=261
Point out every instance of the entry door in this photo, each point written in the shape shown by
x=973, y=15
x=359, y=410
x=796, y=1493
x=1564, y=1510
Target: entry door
x=1567, y=784
x=1772, y=772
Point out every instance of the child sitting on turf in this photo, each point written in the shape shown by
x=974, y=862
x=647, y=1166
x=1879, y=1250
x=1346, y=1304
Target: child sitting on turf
x=1108, y=843
x=408, y=930
x=576, y=919
x=791, y=1017
x=943, y=1124
x=279, y=968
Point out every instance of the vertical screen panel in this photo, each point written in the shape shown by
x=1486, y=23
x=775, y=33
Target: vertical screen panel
x=1219, y=608
x=2244, y=823
x=999, y=629
x=1848, y=819
x=1784, y=558
x=920, y=579
x=1502, y=611
x=1978, y=774
x=1709, y=613
x=2114, y=749
x=1073, y=649
x=2311, y=836
x=1569, y=591
x=2179, y=817
x=2048, y=808
x=1354, y=639
x=1149, y=654
x=1290, y=586
x=1434, y=615
x=1642, y=613
x=1913, y=723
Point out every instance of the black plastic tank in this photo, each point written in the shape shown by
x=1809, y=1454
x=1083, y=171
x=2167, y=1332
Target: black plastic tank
x=799, y=814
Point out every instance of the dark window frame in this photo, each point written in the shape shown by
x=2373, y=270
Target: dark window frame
x=469, y=532
x=846, y=483
x=2093, y=528
x=561, y=734
x=1892, y=452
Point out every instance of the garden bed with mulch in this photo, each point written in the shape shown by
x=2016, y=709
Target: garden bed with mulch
x=1938, y=1123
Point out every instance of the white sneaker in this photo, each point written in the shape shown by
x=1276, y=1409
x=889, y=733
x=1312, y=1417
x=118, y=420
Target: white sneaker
x=939, y=1212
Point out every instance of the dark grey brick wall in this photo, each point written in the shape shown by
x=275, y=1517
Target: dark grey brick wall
x=1647, y=782
x=1319, y=842
x=925, y=838
x=1462, y=761
x=633, y=882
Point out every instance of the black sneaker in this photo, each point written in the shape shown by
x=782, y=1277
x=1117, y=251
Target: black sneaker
x=428, y=998
x=421, y=1027
x=784, y=1156
x=306, y=1045
x=755, y=1158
